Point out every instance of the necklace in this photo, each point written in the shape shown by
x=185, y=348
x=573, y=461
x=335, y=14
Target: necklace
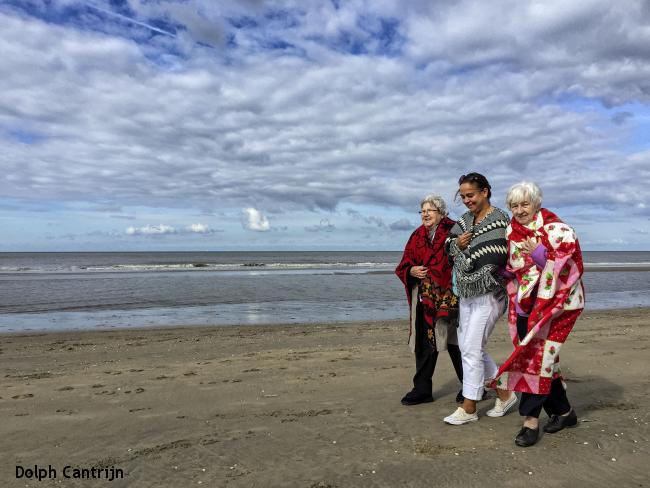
x=489, y=211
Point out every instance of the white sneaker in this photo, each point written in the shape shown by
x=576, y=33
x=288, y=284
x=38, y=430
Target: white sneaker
x=501, y=407
x=460, y=417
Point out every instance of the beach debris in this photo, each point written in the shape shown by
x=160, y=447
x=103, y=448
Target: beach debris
x=614, y=459
x=530, y=473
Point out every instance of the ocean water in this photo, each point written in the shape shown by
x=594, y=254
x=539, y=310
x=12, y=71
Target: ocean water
x=78, y=291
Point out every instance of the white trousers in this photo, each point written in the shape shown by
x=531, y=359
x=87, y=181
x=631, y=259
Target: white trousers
x=477, y=316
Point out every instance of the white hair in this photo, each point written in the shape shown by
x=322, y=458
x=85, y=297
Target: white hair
x=437, y=202
x=524, y=191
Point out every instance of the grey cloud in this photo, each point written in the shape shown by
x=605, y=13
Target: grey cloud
x=619, y=118
x=402, y=224
x=323, y=226
x=371, y=220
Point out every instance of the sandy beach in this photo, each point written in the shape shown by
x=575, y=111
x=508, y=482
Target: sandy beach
x=305, y=406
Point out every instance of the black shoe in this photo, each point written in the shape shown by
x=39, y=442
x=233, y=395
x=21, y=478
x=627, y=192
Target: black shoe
x=415, y=398
x=527, y=437
x=559, y=422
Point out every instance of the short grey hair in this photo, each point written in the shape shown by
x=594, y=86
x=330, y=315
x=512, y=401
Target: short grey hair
x=524, y=191
x=437, y=202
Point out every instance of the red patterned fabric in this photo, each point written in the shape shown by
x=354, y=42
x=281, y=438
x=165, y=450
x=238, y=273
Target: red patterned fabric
x=435, y=291
x=554, y=296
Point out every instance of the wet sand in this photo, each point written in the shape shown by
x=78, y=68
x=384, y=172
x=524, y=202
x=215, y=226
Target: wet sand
x=307, y=406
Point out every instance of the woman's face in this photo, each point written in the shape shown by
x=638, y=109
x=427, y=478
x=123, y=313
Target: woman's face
x=473, y=198
x=523, y=212
x=430, y=215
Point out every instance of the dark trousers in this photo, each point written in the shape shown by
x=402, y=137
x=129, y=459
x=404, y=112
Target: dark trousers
x=426, y=357
x=530, y=404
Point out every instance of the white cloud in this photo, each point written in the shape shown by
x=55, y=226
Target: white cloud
x=198, y=228
x=255, y=220
x=149, y=230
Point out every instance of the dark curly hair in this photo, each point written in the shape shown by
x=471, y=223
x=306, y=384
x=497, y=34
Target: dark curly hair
x=478, y=180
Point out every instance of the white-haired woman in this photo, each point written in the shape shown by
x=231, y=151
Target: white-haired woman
x=426, y=274
x=546, y=297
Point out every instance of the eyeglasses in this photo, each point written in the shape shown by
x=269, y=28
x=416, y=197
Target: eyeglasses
x=428, y=211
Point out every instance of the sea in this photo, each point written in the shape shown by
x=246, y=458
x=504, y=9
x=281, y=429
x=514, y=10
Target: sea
x=87, y=291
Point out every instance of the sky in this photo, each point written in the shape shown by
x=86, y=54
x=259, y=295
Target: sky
x=137, y=125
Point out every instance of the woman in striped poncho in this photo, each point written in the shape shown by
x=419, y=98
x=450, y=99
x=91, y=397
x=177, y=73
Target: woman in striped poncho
x=477, y=246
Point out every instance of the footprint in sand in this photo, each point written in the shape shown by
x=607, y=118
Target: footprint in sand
x=139, y=409
x=65, y=411
x=163, y=377
x=97, y=386
x=20, y=397
x=66, y=388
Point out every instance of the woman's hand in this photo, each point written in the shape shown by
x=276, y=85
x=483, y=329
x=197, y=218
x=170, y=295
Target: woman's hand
x=419, y=272
x=462, y=241
x=529, y=245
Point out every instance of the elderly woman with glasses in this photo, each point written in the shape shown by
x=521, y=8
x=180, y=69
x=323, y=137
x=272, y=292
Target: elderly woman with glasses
x=426, y=274
x=546, y=297
x=477, y=246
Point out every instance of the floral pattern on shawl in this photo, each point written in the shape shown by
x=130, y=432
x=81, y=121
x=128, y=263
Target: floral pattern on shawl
x=434, y=292
x=554, y=296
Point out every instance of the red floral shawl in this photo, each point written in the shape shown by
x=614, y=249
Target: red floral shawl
x=553, y=295
x=435, y=292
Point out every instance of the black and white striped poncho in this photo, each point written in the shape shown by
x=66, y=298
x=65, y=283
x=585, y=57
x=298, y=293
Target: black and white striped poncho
x=475, y=267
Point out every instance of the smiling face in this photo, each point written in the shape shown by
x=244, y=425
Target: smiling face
x=474, y=198
x=430, y=215
x=523, y=212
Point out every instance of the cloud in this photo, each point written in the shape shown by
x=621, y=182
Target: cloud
x=323, y=226
x=151, y=230
x=402, y=224
x=163, y=229
x=255, y=220
x=198, y=228
x=619, y=118
x=371, y=220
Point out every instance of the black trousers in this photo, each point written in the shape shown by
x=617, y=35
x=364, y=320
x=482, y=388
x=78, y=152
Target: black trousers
x=531, y=404
x=426, y=356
